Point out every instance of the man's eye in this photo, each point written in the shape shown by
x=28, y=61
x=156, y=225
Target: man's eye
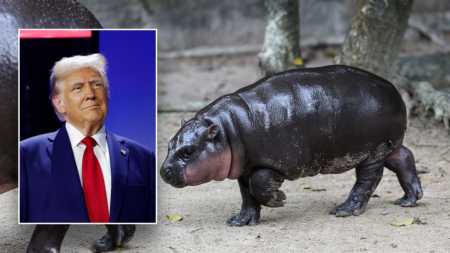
x=187, y=152
x=77, y=88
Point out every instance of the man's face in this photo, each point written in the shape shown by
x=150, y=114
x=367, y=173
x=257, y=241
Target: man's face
x=83, y=98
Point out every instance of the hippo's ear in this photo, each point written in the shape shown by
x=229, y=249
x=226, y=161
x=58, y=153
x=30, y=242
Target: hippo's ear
x=212, y=132
x=183, y=122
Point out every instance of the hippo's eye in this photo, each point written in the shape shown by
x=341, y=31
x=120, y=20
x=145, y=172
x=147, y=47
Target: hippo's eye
x=187, y=152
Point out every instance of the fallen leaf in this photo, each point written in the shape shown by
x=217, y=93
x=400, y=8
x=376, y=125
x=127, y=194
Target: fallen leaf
x=305, y=186
x=174, y=217
x=384, y=179
x=354, y=178
x=406, y=222
x=375, y=241
x=433, y=177
x=388, y=196
x=298, y=62
x=118, y=249
x=384, y=212
x=443, y=152
x=393, y=245
x=319, y=190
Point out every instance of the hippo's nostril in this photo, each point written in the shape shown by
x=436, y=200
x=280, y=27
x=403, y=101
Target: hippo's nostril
x=166, y=173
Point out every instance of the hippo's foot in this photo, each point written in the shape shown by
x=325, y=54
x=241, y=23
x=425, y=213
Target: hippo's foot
x=402, y=163
x=367, y=179
x=406, y=201
x=250, y=210
x=349, y=208
x=47, y=238
x=117, y=236
x=264, y=187
x=276, y=199
x=247, y=216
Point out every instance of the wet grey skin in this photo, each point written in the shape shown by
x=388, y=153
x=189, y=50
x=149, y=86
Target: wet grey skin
x=295, y=124
x=24, y=14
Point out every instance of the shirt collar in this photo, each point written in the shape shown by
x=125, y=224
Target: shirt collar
x=76, y=136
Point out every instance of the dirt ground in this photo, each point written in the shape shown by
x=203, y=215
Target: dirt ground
x=303, y=224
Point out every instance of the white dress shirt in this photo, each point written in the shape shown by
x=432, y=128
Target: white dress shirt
x=101, y=151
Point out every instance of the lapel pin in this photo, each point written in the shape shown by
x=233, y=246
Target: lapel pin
x=123, y=151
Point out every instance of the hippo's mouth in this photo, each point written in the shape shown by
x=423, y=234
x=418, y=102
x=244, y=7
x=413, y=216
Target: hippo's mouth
x=176, y=178
x=179, y=186
x=174, y=182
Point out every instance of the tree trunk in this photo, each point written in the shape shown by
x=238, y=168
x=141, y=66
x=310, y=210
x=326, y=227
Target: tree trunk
x=281, y=48
x=374, y=39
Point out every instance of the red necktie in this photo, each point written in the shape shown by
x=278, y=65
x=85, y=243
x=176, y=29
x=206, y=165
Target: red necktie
x=93, y=184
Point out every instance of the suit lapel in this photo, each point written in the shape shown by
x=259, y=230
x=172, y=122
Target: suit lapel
x=64, y=163
x=118, y=155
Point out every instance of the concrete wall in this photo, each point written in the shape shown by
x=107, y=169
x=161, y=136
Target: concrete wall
x=215, y=23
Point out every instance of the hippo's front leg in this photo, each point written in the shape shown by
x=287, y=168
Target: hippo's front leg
x=367, y=179
x=262, y=189
x=47, y=238
x=250, y=210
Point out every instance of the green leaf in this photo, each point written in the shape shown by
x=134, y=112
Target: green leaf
x=298, y=62
x=406, y=222
x=430, y=105
x=305, y=186
x=174, y=217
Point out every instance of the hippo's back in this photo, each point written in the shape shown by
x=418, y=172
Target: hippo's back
x=308, y=117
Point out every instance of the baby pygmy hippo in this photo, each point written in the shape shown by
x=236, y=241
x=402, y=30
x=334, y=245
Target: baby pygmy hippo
x=295, y=124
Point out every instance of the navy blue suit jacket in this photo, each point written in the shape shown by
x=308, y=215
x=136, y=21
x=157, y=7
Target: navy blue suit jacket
x=50, y=187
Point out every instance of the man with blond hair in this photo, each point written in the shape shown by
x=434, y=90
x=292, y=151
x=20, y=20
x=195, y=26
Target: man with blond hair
x=83, y=172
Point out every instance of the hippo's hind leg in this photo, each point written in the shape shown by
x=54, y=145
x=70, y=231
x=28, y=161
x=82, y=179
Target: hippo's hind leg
x=250, y=210
x=117, y=236
x=264, y=185
x=402, y=163
x=262, y=189
x=367, y=179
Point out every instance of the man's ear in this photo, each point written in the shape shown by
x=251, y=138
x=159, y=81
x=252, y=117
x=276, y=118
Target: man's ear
x=58, y=103
x=212, y=132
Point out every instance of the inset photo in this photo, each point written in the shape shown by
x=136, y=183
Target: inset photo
x=87, y=117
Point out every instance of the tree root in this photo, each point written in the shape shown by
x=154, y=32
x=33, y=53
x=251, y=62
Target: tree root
x=437, y=100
